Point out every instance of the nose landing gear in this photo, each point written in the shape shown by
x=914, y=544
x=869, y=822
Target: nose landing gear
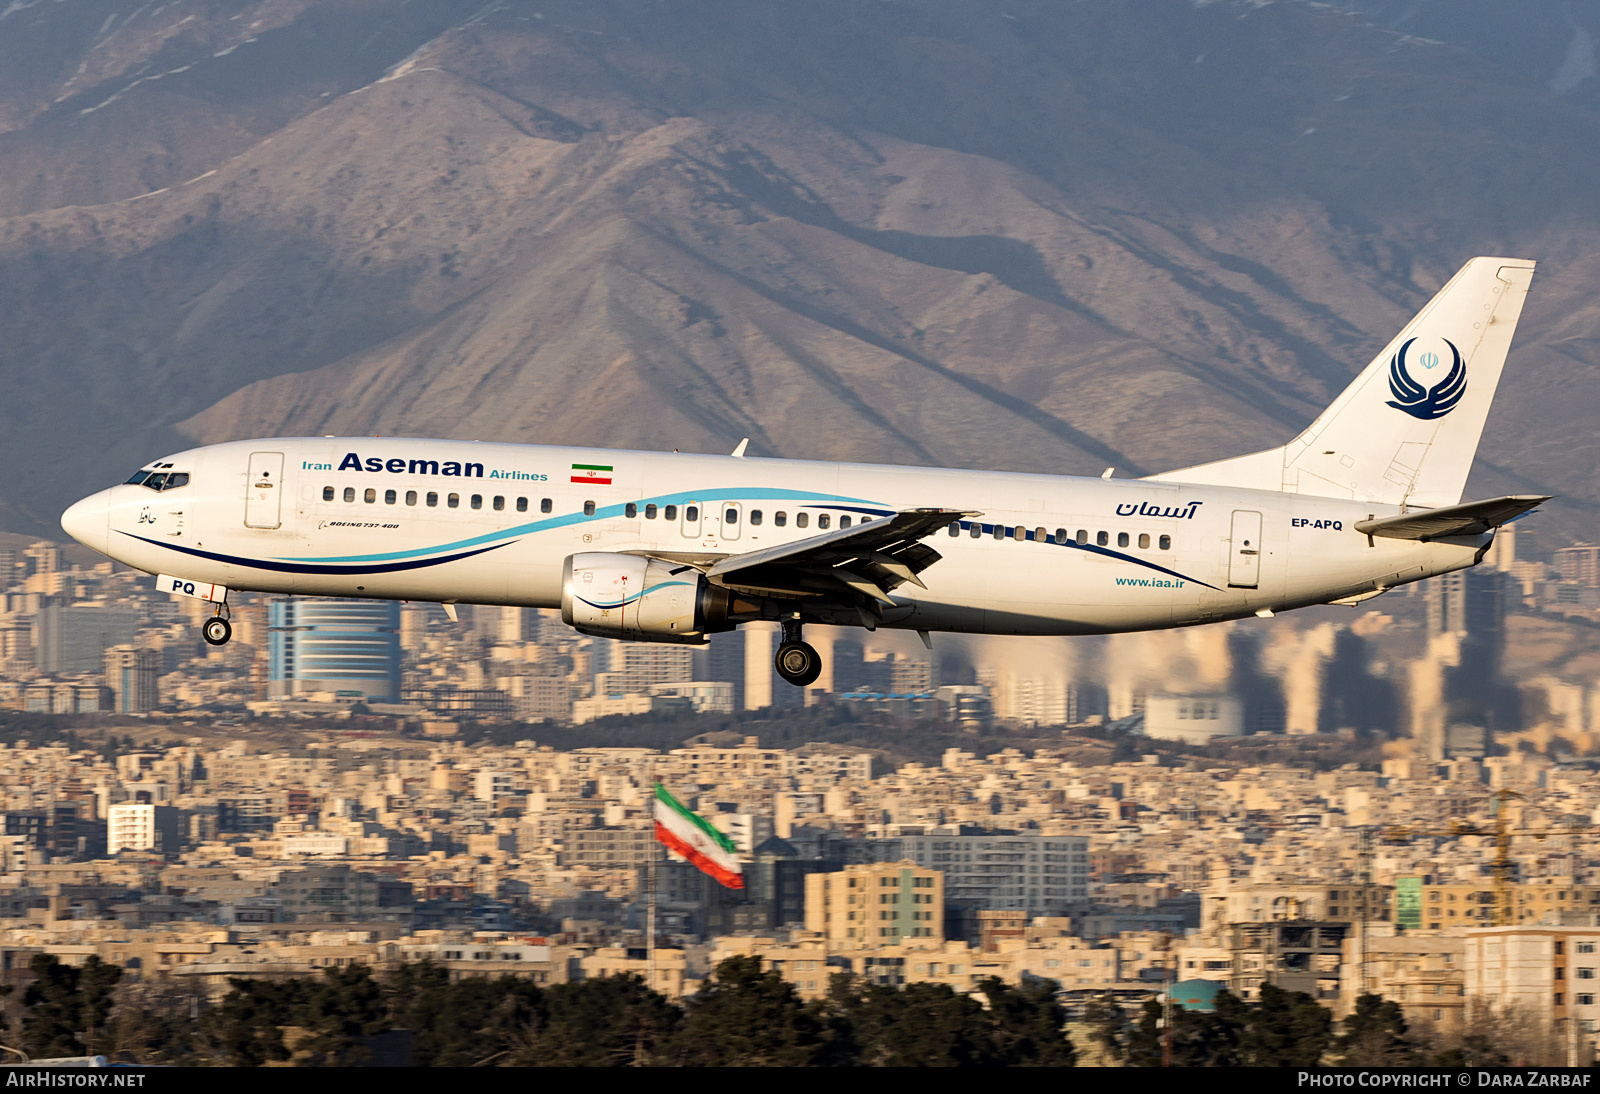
x=797, y=661
x=217, y=630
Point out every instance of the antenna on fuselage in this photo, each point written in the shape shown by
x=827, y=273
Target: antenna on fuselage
x=1106, y=474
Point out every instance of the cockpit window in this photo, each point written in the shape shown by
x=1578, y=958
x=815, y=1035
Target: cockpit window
x=159, y=480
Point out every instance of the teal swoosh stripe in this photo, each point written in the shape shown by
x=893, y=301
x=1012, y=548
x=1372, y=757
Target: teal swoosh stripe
x=730, y=494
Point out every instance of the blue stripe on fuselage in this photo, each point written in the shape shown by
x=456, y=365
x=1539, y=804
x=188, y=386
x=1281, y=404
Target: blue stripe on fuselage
x=309, y=568
x=752, y=494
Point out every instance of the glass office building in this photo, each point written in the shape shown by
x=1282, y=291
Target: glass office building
x=326, y=645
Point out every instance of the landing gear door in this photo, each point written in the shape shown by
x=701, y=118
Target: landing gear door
x=263, y=497
x=1244, y=551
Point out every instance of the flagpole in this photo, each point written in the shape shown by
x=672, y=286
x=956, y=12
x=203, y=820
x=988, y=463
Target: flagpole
x=650, y=915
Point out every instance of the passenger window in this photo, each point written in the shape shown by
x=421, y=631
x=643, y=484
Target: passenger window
x=544, y=505
x=730, y=516
x=1103, y=538
x=1019, y=533
x=1165, y=543
x=1061, y=535
x=999, y=531
x=370, y=496
x=499, y=503
x=844, y=522
x=327, y=493
x=755, y=516
x=823, y=520
x=522, y=505
x=349, y=493
x=411, y=497
x=453, y=501
x=477, y=501
x=433, y=499
x=1122, y=539
x=156, y=481
x=955, y=529
x=1083, y=535
x=691, y=512
x=650, y=512
x=174, y=481
x=630, y=510
x=669, y=512
x=977, y=530
x=803, y=519
x=1144, y=540
x=390, y=497
x=780, y=518
x=588, y=508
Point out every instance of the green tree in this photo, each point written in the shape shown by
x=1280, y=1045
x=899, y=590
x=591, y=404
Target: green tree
x=612, y=1021
x=1285, y=1029
x=65, y=1001
x=246, y=1029
x=748, y=1018
x=469, y=1023
x=1199, y=1038
x=923, y=1025
x=338, y=1012
x=1027, y=1026
x=1375, y=1035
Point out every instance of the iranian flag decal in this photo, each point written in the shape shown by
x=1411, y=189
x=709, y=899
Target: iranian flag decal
x=593, y=473
x=688, y=834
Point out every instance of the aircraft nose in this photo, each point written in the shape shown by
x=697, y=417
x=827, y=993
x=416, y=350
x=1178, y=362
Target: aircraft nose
x=88, y=521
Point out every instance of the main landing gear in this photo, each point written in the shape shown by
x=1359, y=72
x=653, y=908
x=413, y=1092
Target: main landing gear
x=217, y=630
x=797, y=661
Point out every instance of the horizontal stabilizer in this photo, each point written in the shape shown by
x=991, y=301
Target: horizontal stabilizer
x=1471, y=518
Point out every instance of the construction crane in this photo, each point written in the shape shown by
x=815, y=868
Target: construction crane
x=1504, y=869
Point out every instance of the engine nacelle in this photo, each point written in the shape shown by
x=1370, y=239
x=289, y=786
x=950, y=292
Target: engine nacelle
x=640, y=599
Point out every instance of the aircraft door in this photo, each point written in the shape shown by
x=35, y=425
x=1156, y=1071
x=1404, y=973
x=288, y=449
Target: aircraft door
x=263, y=497
x=731, y=519
x=1244, y=555
x=691, y=519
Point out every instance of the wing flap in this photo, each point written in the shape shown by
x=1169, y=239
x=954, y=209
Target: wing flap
x=1471, y=518
x=870, y=560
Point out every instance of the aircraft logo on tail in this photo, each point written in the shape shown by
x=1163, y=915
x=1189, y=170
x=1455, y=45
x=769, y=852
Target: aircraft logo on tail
x=1419, y=400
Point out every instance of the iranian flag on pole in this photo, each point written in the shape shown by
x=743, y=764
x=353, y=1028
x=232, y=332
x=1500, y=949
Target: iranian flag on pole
x=689, y=834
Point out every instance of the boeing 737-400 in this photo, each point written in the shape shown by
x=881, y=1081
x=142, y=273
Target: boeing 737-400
x=670, y=547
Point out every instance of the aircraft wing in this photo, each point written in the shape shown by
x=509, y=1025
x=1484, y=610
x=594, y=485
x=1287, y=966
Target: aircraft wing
x=1468, y=519
x=870, y=560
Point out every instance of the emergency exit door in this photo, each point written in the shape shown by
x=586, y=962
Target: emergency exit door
x=1244, y=560
x=263, y=497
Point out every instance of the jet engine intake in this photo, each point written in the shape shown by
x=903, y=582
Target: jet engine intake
x=640, y=599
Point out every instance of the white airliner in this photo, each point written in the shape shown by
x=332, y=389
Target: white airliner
x=660, y=547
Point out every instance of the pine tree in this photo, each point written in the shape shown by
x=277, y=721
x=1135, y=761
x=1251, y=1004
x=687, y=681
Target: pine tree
x=748, y=1018
x=1286, y=1029
x=1027, y=1024
x=613, y=1021
x=1374, y=1035
x=922, y=1025
x=64, y=1002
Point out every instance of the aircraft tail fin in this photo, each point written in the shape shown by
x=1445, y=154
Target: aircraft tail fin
x=1406, y=430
